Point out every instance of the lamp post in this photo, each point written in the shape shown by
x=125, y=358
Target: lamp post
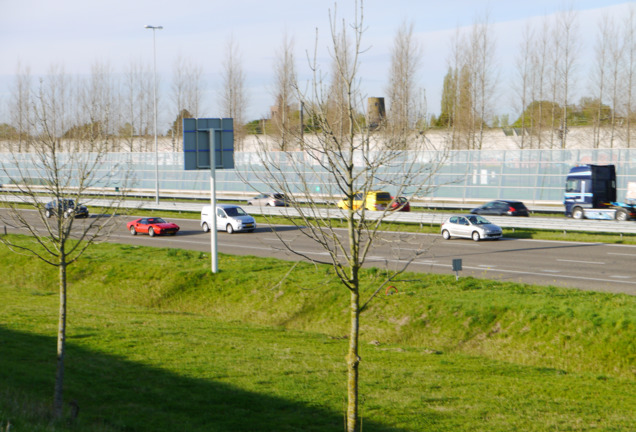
x=154, y=94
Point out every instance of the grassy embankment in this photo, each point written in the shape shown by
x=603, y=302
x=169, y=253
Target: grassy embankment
x=158, y=343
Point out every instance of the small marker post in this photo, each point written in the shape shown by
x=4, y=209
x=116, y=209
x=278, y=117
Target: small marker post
x=457, y=266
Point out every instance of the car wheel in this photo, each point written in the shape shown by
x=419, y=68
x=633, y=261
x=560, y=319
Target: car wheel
x=476, y=236
x=229, y=228
x=621, y=215
x=249, y=203
x=205, y=227
x=133, y=231
x=268, y=205
x=577, y=213
x=446, y=235
x=48, y=214
x=151, y=232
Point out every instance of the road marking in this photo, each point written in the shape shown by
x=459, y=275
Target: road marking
x=622, y=254
x=487, y=265
x=620, y=277
x=617, y=279
x=582, y=262
x=528, y=273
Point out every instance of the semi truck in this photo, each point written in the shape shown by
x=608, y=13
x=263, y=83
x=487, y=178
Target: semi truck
x=590, y=193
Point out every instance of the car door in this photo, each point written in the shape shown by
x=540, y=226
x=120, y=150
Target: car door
x=489, y=209
x=463, y=227
x=501, y=208
x=221, y=219
x=142, y=226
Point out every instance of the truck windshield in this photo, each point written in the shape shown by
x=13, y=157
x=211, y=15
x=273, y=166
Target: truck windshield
x=573, y=185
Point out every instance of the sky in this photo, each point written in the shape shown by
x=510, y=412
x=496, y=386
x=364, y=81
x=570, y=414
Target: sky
x=76, y=34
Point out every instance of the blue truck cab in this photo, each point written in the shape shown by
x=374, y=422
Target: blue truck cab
x=590, y=192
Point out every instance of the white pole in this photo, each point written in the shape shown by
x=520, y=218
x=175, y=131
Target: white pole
x=154, y=93
x=213, y=248
x=213, y=239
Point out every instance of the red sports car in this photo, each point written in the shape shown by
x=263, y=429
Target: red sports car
x=401, y=204
x=153, y=226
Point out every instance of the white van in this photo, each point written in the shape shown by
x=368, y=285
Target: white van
x=229, y=218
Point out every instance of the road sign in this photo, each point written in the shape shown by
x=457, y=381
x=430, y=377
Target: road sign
x=208, y=143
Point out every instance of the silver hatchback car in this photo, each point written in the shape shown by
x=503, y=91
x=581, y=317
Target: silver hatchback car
x=470, y=226
x=269, y=199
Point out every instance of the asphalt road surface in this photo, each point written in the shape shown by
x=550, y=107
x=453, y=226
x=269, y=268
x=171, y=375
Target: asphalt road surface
x=587, y=266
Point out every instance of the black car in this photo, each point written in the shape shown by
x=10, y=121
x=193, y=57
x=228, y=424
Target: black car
x=502, y=208
x=65, y=207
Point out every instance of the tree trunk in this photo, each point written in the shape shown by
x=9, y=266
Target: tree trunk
x=58, y=400
x=353, y=360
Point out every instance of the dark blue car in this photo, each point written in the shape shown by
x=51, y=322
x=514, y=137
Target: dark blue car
x=65, y=207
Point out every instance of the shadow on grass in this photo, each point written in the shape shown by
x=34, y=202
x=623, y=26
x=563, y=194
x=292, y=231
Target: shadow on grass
x=118, y=394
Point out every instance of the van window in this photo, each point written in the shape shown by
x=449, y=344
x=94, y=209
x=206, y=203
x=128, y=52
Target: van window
x=383, y=196
x=235, y=211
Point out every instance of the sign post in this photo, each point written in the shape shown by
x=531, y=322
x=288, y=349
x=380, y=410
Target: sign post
x=208, y=143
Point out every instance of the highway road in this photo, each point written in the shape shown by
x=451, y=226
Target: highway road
x=587, y=266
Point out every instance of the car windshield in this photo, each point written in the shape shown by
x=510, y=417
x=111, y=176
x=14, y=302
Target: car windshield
x=156, y=221
x=478, y=220
x=279, y=196
x=235, y=211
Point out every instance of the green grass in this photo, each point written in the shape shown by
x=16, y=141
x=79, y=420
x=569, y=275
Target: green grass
x=158, y=343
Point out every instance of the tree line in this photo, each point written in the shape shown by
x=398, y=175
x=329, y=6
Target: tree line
x=547, y=74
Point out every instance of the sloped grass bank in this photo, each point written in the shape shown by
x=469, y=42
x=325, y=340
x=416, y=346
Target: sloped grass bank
x=156, y=342
x=569, y=329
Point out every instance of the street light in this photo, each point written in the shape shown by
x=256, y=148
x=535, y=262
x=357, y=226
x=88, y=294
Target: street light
x=154, y=93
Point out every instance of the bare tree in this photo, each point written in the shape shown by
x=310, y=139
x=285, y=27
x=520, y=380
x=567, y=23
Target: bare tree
x=566, y=47
x=457, y=94
x=137, y=106
x=539, y=79
x=599, y=73
x=20, y=105
x=64, y=176
x=233, y=96
x=285, y=76
x=186, y=95
x=523, y=85
x=483, y=76
x=178, y=96
x=402, y=89
x=629, y=76
x=342, y=158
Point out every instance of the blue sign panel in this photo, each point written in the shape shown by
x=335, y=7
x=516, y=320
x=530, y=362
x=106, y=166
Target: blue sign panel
x=208, y=143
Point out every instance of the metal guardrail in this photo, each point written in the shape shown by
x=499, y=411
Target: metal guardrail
x=421, y=218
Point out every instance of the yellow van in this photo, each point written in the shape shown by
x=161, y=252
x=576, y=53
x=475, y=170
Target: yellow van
x=375, y=200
